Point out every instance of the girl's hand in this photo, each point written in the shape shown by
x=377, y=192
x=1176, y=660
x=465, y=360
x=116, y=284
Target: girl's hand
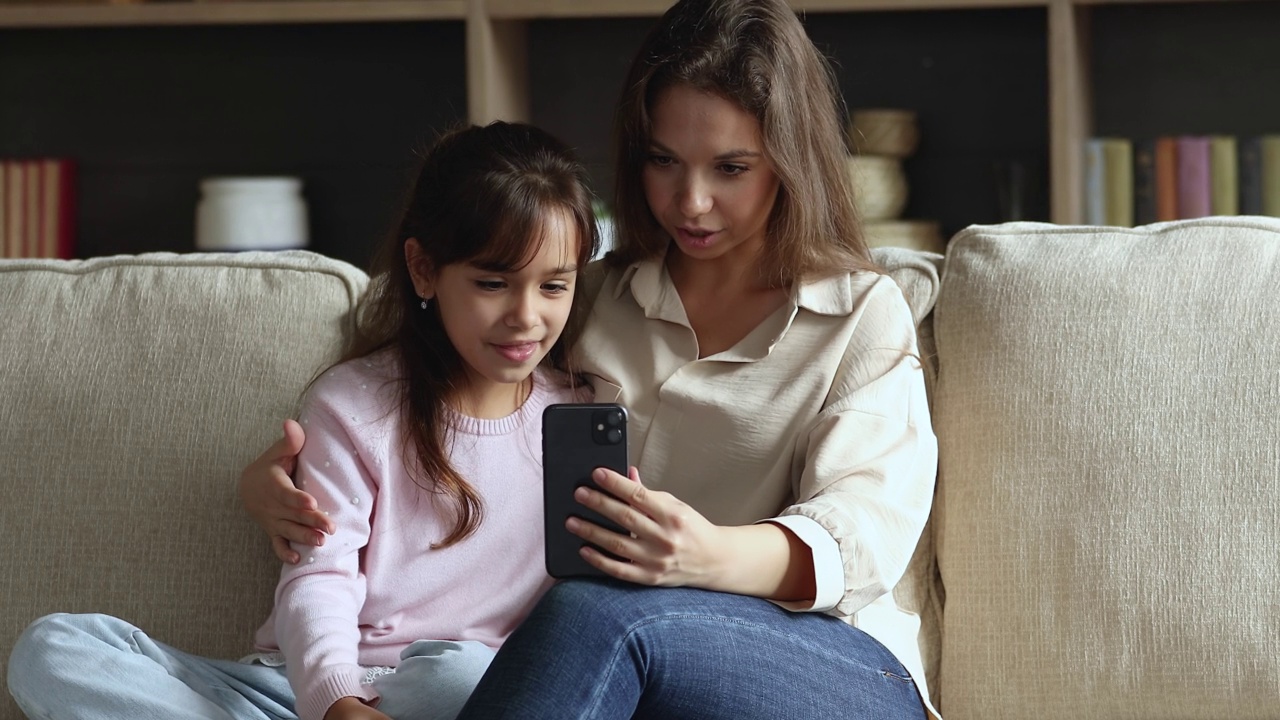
x=350, y=708
x=671, y=544
x=280, y=508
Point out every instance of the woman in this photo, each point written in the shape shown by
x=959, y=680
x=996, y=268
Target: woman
x=777, y=412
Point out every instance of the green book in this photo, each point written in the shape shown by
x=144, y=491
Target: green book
x=1117, y=158
x=1223, y=176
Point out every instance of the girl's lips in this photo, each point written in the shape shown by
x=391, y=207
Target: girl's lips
x=518, y=352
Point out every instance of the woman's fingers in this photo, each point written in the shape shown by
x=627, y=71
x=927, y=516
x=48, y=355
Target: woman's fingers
x=625, y=502
x=284, y=551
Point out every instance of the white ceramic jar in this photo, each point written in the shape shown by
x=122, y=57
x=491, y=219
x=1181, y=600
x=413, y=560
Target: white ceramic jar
x=251, y=213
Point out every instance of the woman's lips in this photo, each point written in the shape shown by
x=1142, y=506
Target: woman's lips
x=697, y=237
x=517, y=352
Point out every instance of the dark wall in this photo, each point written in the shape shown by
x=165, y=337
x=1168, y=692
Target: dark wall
x=147, y=112
x=1201, y=68
x=976, y=78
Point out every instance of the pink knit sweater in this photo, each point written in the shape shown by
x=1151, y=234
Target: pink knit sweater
x=376, y=585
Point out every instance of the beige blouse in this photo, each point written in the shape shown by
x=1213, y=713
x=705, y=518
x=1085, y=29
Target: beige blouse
x=817, y=420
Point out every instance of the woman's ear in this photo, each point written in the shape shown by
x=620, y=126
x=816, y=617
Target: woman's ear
x=419, y=269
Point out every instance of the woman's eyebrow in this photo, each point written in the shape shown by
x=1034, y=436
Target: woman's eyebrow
x=728, y=155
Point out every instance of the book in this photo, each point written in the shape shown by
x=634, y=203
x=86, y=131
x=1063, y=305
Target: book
x=1095, y=187
x=37, y=208
x=1118, y=180
x=1224, y=195
x=15, y=232
x=1194, y=189
x=1270, y=175
x=31, y=200
x=1144, y=181
x=4, y=224
x=58, y=202
x=1250, y=181
x=1166, y=178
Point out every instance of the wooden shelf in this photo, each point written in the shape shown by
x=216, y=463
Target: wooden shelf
x=548, y=9
x=243, y=12
x=497, y=46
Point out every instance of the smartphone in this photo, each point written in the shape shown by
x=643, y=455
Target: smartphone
x=577, y=438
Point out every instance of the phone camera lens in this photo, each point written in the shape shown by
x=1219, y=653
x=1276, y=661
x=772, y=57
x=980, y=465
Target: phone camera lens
x=614, y=436
x=614, y=419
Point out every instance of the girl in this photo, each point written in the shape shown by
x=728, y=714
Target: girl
x=421, y=450
x=777, y=412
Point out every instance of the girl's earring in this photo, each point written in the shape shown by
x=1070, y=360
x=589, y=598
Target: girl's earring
x=424, y=304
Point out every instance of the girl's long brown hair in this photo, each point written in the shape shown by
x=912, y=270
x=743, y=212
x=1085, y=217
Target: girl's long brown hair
x=756, y=54
x=481, y=196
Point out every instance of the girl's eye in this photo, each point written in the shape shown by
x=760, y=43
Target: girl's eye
x=555, y=288
x=490, y=285
x=660, y=160
x=730, y=169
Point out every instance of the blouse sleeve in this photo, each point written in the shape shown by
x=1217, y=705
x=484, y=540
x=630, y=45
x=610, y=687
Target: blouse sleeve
x=318, y=600
x=870, y=456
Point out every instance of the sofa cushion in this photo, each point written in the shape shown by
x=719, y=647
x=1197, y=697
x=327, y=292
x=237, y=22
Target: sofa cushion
x=134, y=391
x=1108, y=516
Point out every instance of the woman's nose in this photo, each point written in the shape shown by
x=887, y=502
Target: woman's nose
x=695, y=197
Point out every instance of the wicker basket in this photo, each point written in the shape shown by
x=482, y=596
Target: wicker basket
x=882, y=131
x=880, y=186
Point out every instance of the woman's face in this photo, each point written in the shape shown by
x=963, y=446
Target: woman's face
x=707, y=180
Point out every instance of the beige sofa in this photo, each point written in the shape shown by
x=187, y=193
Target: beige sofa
x=1105, y=542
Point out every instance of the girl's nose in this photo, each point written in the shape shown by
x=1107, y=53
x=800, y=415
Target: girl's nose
x=523, y=313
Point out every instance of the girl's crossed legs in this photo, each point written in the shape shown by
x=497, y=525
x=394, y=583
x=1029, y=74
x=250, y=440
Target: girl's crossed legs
x=98, y=666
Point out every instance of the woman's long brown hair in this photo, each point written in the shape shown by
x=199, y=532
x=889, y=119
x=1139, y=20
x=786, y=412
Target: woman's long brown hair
x=481, y=196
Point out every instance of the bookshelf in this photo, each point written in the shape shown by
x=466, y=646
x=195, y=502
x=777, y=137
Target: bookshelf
x=1028, y=80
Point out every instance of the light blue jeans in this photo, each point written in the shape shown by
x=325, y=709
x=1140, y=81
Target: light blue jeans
x=100, y=667
x=608, y=650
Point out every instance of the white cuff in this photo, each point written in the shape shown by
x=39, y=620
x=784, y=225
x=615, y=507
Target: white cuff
x=828, y=568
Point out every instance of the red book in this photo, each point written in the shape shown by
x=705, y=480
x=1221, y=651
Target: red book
x=57, y=228
x=5, y=252
x=1166, y=178
x=1195, y=182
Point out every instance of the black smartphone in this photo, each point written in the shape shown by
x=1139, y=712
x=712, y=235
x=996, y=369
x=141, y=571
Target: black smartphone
x=577, y=438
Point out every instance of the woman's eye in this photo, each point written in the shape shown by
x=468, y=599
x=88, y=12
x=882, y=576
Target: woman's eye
x=490, y=285
x=730, y=169
x=660, y=160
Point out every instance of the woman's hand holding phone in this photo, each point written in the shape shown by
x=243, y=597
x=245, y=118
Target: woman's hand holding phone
x=670, y=544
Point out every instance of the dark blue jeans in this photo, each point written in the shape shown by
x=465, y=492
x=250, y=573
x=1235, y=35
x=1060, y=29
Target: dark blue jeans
x=605, y=649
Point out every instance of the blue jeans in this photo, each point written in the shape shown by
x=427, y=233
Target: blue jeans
x=97, y=666
x=605, y=649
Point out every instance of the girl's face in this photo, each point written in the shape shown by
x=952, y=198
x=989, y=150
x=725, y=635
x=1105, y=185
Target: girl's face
x=707, y=180
x=503, y=322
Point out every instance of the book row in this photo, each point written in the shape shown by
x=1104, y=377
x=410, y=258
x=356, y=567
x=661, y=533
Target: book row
x=1136, y=182
x=37, y=208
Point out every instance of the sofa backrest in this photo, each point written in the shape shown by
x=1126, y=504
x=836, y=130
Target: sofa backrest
x=1107, y=522
x=134, y=390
